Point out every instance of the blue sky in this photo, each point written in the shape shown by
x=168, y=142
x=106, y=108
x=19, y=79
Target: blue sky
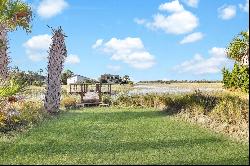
x=146, y=39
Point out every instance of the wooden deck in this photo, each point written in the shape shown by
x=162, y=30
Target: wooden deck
x=82, y=89
x=100, y=104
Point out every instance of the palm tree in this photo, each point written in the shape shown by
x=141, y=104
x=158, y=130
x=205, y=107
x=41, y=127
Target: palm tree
x=13, y=14
x=40, y=71
x=57, y=55
x=65, y=75
x=126, y=78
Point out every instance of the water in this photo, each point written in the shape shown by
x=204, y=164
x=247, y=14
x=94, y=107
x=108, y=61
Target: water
x=146, y=89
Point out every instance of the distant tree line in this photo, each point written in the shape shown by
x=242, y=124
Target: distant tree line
x=29, y=77
x=36, y=78
x=115, y=79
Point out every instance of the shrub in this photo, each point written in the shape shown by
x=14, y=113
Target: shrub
x=10, y=88
x=106, y=99
x=237, y=79
x=231, y=110
x=21, y=113
x=2, y=119
x=31, y=112
x=69, y=102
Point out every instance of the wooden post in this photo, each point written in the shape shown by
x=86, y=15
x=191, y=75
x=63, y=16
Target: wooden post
x=81, y=89
x=84, y=88
x=82, y=94
x=98, y=87
x=110, y=89
x=69, y=88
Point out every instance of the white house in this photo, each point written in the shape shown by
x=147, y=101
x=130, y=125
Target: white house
x=76, y=79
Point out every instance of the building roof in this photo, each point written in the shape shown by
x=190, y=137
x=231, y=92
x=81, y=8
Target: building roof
x=110, y=75
x=85, y=78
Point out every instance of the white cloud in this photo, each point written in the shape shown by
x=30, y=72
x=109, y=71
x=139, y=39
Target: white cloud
x=192, y=38
x=192, y=3
x=179, y=21
x=98, y=43
x=50, y=8
x=72, y=59
x=227, y=12
x=38, y=42
x=200, y=65
x=217, y=52
x=37, y=47
x=245, y=7
x=114, y=68
x=130, y=51
x=173, y=6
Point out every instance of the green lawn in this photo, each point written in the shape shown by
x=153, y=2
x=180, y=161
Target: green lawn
x=120, y=136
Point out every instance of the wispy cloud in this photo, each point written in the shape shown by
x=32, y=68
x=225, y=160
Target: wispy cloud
x=200, y=65
x=98, y=43
x=245, y=7
x=192, y=3
x=72, y=59
x=139, y=21
x=227, y=12
x=194, y=37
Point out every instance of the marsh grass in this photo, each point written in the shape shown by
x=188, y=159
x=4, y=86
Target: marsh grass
x=222, y=112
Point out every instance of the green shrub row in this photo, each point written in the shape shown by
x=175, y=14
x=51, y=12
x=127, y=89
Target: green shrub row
x=237, y=79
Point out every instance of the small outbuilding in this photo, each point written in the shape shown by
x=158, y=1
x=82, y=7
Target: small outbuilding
x=77, y=79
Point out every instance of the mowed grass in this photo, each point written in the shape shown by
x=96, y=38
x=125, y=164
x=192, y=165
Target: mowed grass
x=120, y=136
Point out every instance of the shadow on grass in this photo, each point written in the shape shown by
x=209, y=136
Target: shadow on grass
x=52, y=146
x=116, y=116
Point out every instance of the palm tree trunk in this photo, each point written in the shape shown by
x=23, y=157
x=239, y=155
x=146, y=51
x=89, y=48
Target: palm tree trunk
x=4, y=58
x=57, y=55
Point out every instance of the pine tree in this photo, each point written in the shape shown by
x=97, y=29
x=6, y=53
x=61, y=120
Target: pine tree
x=235, y=76
x=226, y=78
x=57, y=55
